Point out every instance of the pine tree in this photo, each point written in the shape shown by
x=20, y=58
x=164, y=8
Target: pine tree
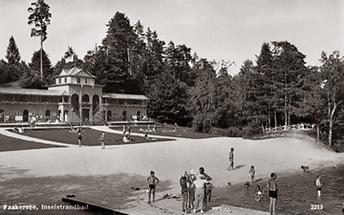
x=40, y=18
x=32, y=78
x=12, y=56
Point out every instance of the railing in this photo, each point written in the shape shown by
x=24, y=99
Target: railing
x=29, y=103
x=301, y=126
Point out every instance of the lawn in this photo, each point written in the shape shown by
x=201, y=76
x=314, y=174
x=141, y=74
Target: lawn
x=13, y=144
x=115, y=191
x=90, y=137
x=183, y=132
x=296, y=193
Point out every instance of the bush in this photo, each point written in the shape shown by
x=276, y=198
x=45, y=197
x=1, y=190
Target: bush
x=228, y=132
x=251, y=130
x=338, y=146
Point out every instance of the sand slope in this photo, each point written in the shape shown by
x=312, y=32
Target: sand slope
x=170, y=159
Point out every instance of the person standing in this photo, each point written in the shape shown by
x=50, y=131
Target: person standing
x=273, y=189
x=318, y=185
x=191, y=189
x=102, y=140
x=153, y=181
x=252, y=173
x=231, y=159
x=199, y=194
x=207, y=178
x=79, y=136
x=184, y=191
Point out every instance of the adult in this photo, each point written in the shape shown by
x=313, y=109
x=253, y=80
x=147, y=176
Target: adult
x=231, y=159
x=273, y=189
x=207, y=178
x=79, y=136
x=199, y=194
x=191, y=189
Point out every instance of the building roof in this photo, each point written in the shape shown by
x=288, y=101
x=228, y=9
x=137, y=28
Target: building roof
x=75, y=72
x=124, y=96
x=23, y=91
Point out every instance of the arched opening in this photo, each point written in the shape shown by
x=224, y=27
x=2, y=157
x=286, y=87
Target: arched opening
x=124, y=115
x=65, y=115
x=138, y=115
x=2, y=115
x=104, y=115
x=65, y=99
x=59, y=116
x=47, y=115
x=25, y=116
x=85, y=98
x=75, y=102
x=95, y=104
x=109, y=115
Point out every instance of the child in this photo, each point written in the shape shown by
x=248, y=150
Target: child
x=231, y=159
x=102, y=140
x=208, y=188
x=259, y=194
x=152, y=182
x=184, y=191
x=273, y=192
x=252, y=172
x=318, y=185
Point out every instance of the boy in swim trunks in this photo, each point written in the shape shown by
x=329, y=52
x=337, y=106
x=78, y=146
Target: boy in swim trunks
x=272, y=186
x=318, y=184
x=152, y=182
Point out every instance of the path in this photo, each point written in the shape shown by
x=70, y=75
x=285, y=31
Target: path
x=32, y=139
x=109, y=130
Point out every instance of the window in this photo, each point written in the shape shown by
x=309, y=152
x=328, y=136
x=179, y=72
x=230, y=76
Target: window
x=78, y=80
x=59, y=80
x=85, y=80
x=65, y=80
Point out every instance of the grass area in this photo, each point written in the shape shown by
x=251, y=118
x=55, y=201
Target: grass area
x=13, y=144
x=183, y=132
x=296, y=193
x=90, y=137
x=112, y=190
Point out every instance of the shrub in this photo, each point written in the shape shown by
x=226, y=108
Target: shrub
x=229, y=132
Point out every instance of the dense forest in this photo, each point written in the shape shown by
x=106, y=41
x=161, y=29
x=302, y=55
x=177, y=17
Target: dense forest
x=275, y=89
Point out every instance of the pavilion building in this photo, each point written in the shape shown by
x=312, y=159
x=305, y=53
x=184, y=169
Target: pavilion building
x=75, y=98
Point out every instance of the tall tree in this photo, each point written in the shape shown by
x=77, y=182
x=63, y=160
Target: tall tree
x=203, y=97
x=32, y=77
x=40, y=18
x=12, y=55
x=333, y=83
x=313, y=103
x=290, y=70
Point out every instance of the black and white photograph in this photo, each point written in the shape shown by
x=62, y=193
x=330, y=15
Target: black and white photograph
x=171, y=107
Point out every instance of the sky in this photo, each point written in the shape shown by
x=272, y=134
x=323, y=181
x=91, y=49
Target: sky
x=231, y=30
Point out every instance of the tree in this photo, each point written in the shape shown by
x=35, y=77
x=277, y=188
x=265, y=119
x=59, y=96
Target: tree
x=203, y=97
x=333, y=83
x=290, y=70
x=68, y=61
x=32, y=79
x=12, y=56
x=168, y=100
x=313, y=103
x=40, y=18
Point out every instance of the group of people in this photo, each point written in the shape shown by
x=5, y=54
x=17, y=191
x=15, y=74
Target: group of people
x=195, y=190
x=271, y=184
